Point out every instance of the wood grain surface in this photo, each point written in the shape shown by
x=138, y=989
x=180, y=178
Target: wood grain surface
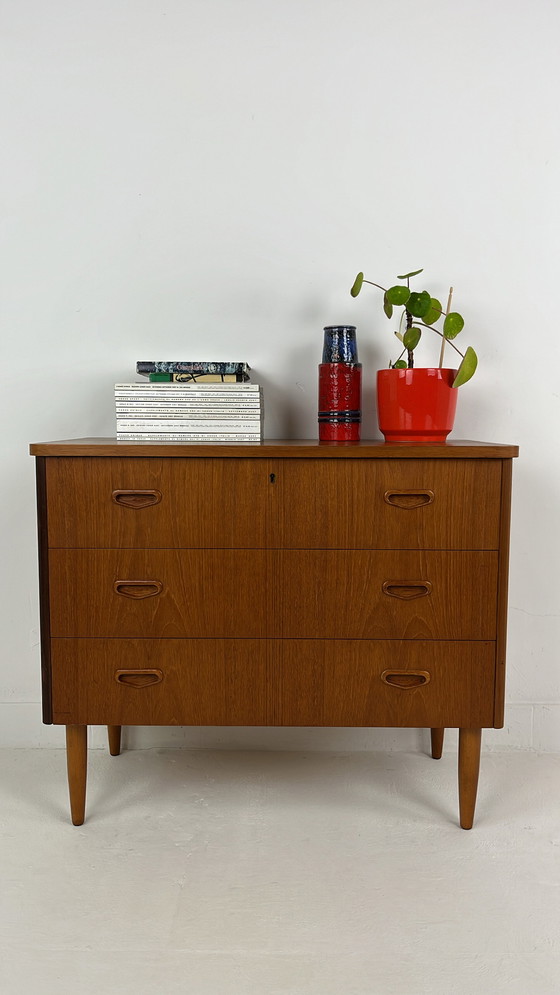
x=274, y=503
x=299, y=448
x=313, y=682
x=274, y=593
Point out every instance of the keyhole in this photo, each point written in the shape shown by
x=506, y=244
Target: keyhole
x=272, y=478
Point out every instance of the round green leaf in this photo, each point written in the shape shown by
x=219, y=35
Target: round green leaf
x=419, y=304
x=387, y=306
x=405, y=276
x=412, y=337
x=397, y=295
x=357, y=285
x=434, y=313
x=452, y=325
x=467, y=368
x=400, y=365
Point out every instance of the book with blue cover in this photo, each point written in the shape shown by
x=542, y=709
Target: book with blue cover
x=144, y=368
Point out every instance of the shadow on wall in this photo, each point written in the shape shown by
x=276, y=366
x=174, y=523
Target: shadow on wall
x=291, y=739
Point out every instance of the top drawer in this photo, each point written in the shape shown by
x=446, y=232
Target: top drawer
x=128, y=502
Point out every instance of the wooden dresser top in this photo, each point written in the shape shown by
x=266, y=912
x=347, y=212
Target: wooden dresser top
x=271, y=448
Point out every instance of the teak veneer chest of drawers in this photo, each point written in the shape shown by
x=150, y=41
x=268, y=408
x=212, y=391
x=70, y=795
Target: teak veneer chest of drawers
x=275, y=584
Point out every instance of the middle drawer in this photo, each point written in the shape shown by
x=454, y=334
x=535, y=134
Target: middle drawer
x=345, y=594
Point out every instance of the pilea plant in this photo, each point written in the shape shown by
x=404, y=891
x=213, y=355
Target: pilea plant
x=421, y=310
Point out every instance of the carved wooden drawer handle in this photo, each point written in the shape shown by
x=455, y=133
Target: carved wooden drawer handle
x=136, y=499
x=408, y=499
x=407, y=590
x=406, y=679
x=138, y=678
x=138, y=589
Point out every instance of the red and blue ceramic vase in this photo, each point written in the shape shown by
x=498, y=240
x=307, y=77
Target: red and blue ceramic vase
x=340, y=386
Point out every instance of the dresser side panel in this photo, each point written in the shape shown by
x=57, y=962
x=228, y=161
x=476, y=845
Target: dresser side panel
x=44, y=599
x=502, y=596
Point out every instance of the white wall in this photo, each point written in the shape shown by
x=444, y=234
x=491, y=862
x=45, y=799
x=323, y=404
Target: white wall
x=203, y=178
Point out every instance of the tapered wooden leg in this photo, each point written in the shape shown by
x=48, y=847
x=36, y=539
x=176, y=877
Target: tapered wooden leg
x=76, y=757
x=114, y=740
x=437, y=743
x=469, y=765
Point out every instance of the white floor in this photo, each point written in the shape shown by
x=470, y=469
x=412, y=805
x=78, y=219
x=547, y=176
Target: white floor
x=237, y=873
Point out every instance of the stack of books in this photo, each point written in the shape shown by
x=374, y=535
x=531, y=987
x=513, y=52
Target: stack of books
x=196, y=410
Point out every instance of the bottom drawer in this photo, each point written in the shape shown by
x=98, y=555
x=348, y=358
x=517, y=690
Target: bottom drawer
x=276, y=682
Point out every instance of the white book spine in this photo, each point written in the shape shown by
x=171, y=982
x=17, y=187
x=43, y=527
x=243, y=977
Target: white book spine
x=186, y=437
x=182, y=425
x=191, y=388
x=189, y=415
x=186, y=390
x=203, y=407
x=194, y=425
x=189, y=398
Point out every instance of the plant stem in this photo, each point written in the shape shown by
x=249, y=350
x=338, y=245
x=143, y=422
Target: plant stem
x=378, y=285
x=410, y=356
x=441, y=335
x=443, y=341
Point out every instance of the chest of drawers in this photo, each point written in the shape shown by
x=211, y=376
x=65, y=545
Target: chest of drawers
x=276, y=583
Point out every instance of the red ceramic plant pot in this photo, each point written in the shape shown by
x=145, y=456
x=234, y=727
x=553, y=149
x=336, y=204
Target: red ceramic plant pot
x=416, y=405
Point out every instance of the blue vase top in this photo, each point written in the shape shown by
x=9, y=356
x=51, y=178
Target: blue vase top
x=339, y=345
